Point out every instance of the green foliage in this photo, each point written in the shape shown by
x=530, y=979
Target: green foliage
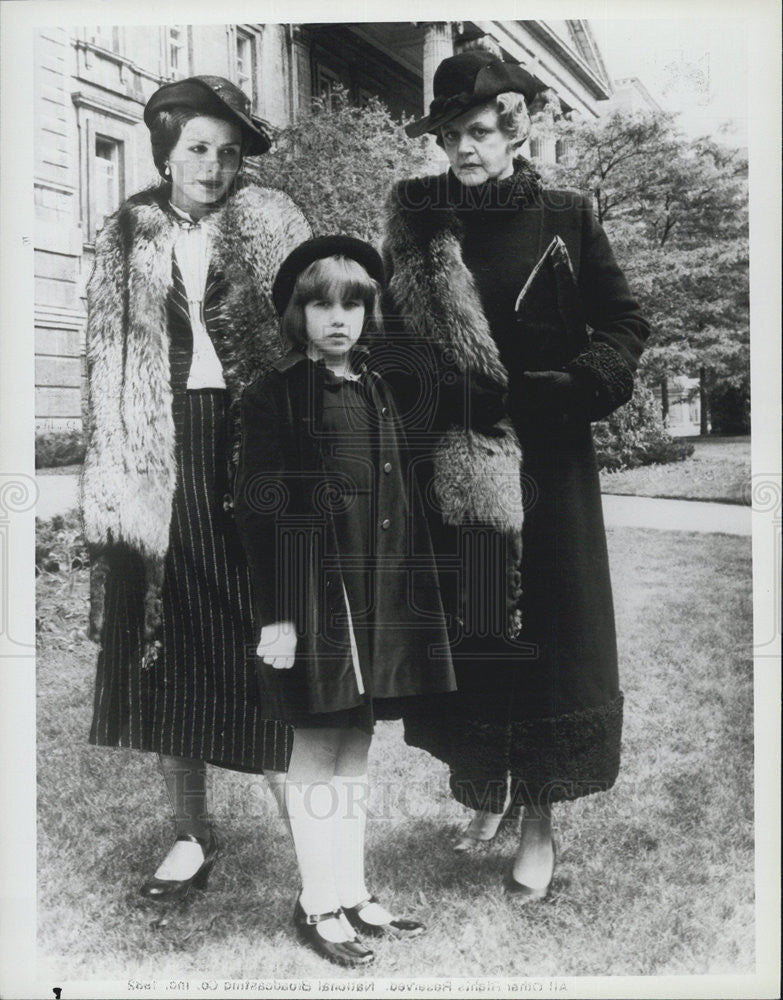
x=729, y=410
x=339, y=163
x=59, y=545
x=676, y=213
x=635, y=435
x=56, y=448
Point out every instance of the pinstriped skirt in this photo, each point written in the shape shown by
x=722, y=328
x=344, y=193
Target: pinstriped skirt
x=201, y=699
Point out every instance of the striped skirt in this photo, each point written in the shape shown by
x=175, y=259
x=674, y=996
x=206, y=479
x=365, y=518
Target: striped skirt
x=201, y=699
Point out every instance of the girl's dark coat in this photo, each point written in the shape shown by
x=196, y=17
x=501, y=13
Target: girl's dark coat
x=553, y=716
x=284, y=509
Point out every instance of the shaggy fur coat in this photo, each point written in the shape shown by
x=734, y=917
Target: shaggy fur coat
x=130, y=467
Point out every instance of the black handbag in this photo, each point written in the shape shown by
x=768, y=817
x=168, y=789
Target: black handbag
x=550, y=319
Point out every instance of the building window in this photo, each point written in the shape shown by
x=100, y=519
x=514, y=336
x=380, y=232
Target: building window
x=107, y=173
x=246, y=63
x=564, y=152
x=326, y=83
x=535, y=149
x=106, y=37
x=177, y=51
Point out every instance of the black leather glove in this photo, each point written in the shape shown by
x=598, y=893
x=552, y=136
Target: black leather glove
x=471, y=402
x=552, y=394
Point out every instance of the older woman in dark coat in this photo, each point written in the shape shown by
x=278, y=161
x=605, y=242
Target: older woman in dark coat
x=541, y=704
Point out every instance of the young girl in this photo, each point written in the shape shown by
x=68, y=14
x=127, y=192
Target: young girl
x=348, y=607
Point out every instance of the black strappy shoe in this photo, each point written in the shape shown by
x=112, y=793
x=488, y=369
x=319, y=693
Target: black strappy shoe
x=163, y=890
x=351, y=953
x=400, y=927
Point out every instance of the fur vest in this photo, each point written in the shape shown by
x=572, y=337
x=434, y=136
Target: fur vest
x=130, y=467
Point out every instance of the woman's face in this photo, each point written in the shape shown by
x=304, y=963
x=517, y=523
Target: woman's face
x=204, y=163
x=477, y=149
x=333, y=327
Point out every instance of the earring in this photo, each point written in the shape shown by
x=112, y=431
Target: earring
x=166, y=170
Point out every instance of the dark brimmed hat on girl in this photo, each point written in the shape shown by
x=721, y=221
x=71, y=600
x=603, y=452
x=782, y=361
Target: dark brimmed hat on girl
x=316, y=249
x=213, y=95
x=465, y=81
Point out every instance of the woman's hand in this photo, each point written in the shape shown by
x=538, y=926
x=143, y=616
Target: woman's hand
x=553, y=394
x=277, y=645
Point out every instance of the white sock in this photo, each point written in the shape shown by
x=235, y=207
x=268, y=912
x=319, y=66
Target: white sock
x=352, y=797
x=312, y=809
x=352, y=793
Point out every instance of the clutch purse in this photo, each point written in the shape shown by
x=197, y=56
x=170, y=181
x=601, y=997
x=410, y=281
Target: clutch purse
x=550, y=319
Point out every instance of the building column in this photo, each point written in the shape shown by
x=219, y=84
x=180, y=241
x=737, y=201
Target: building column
x=438, y=45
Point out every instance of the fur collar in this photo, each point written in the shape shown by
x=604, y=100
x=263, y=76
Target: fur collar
x=476, y=476
x=130, y=468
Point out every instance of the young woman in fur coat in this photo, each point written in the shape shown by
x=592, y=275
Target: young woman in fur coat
x=542, y=705
x=180, y=319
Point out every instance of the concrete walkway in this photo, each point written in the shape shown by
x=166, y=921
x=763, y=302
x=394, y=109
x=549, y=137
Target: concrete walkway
x=676, y=515
x=58, y=494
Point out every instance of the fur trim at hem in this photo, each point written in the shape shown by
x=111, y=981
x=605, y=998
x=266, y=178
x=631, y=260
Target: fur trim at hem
x=549, y=760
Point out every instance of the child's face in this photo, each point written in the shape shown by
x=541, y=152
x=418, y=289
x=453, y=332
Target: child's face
x=333, y=327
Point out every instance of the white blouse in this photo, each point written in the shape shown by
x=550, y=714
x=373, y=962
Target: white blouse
x=192, y=248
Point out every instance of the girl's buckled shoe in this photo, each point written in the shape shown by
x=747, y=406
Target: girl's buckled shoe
x=400, y=927
x=351, y=953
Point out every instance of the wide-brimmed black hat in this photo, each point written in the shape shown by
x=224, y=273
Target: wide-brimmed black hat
x=316, y=249
x=213, y=95
x=467, y=80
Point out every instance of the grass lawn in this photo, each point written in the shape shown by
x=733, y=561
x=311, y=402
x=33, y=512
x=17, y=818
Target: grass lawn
x=655, y=877
x=718, y=469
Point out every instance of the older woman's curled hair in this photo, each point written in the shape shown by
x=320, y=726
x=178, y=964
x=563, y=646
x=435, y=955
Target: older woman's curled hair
x=513, y=117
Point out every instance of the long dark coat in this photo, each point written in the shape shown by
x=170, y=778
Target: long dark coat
x=285, y=503
x=551, y=715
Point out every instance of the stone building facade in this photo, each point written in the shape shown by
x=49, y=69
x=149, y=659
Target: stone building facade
x=92, y=150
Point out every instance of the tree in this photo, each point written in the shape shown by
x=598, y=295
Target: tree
x=339, y=163
x=676, y=212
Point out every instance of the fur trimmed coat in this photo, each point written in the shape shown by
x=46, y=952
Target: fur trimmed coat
x=549, y=712
x=129, y=472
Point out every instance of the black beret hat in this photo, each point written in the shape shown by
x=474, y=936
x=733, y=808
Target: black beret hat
x=467, y=80
x=213, y=95
x=316, y=249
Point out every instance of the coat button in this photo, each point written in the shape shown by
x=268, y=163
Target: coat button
x=384, y=411
x=387, y=467
x=385, y=523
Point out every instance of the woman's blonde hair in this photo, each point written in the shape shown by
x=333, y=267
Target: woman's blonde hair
x=332, y=278
x=513, y=118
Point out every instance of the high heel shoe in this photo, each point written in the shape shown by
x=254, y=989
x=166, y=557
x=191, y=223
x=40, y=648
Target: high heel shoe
x=399, y=927
x=351, y=953
x=172, y=890
x=527, y=893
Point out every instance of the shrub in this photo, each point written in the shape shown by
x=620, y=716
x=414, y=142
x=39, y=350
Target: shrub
x=56, y=448
x=59, y=544
x=730, y=410
x=339, y=162
x=635, y=435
